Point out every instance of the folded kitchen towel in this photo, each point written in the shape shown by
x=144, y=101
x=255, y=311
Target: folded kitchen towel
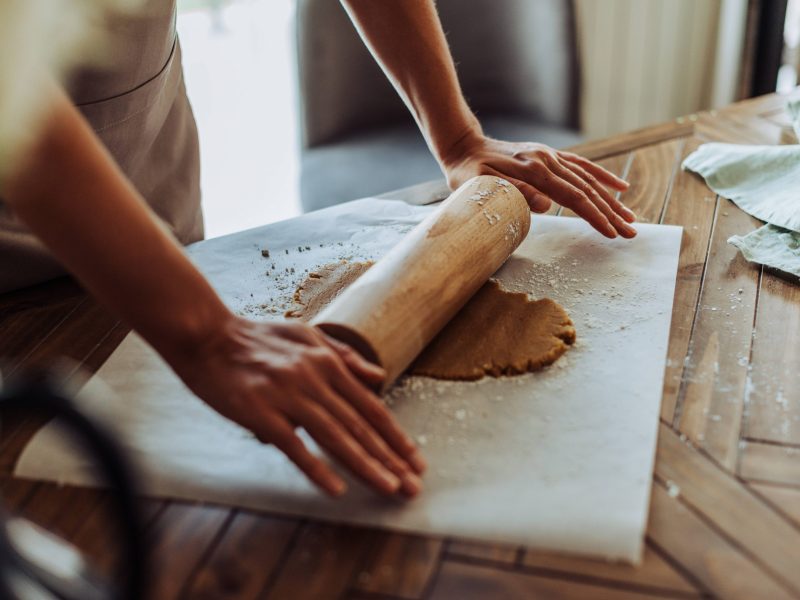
x=763, y=181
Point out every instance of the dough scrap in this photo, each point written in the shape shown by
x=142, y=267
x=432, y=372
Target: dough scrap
x=497, y=333
x=323, y=286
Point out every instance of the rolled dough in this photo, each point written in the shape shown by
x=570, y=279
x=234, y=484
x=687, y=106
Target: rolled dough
x=497, y=333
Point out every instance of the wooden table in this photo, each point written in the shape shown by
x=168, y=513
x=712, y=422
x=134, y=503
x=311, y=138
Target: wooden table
x=725, y=513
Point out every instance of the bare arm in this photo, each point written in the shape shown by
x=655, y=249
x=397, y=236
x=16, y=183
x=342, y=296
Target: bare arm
x=406, y=38
x=269, y=377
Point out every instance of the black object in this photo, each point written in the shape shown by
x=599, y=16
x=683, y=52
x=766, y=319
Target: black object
x=27, y=552
x=770, y=19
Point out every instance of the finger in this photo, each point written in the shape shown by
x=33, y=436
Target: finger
x=332, y=436
x=537, y=200
x=598, y=171
x=556, y=183
x=369, y=439
x=370, y=406
x=616, y=221
x=610, y=198
x=281, y=434
x=367, y=403
x=364, y=369
x=376, y=413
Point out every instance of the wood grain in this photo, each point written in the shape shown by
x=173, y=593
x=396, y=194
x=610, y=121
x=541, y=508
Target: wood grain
x=741, y=516
x=711, y=399
x=654, y=135
x=181, y=537
x=332, y=553
x=690, y=205
x=400, y=565
x=499, y=553
x=653, y=572
x=787, y=500
x=770, y=462
x=244, y=559
x=773, y=391
x=468, y=582
x=720, y=567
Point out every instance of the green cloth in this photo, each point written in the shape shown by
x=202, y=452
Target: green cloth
x=764, y=181
x=772, y=246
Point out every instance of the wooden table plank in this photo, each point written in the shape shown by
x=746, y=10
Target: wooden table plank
x=711, y=399
x=650, y=174
x=23, y=332
x=244, y=559
x=400, y=565
x=333, y=553
x=497, y=553
x=16, y=492
x=770, y=462
x=653, y=572
x=786, y=499
x=719, y=566
x=76, y=337
x=760, y=131
x=469, y=581
x=764, y=535
x=182, y=536
x=773, y=399
x=690, y=205
x=625, y=142
x=95, y=344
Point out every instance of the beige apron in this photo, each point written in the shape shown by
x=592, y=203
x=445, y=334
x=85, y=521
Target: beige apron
x=137, y=105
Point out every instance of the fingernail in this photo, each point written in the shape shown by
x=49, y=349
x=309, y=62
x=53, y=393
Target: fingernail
x=338, y=487
x=611, y=232
x=376, y=368
x=412, y=485
x=417, y=462
x=392, y=481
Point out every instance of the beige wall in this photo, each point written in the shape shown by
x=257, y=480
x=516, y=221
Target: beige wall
x=645, y=61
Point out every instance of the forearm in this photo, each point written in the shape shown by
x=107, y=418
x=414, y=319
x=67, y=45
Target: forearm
x=407, y=40
x=73, y=197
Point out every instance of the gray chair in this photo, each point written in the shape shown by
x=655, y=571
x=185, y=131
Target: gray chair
x=518, y=67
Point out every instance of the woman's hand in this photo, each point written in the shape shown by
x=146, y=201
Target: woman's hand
x=545, y=175
x=274, y=377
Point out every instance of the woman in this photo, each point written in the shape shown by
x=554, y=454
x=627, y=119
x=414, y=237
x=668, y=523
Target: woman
x=110, y=186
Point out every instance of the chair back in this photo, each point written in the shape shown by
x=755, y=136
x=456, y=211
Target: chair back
x=516, y=57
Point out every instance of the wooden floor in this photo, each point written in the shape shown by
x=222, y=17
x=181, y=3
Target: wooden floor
x=725, y=514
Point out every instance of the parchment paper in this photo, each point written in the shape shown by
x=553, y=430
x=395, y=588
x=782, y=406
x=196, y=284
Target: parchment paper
x=558, y=460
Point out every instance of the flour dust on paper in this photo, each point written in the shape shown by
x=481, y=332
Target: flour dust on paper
x=497, y=333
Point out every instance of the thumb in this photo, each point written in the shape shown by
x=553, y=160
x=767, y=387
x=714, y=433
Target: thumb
x=538, y=201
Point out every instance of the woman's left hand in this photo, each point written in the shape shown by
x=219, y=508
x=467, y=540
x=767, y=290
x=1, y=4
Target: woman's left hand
x=545, y=175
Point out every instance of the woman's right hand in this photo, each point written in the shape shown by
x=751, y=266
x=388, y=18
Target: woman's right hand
x=274, y=377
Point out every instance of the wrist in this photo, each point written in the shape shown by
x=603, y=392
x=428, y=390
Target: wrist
x=460, y=146
x=187, y=336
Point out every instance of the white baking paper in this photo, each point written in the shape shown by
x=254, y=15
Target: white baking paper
x=558, y=460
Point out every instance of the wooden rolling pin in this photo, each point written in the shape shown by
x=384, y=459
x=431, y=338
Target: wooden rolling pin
x=399, y=305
